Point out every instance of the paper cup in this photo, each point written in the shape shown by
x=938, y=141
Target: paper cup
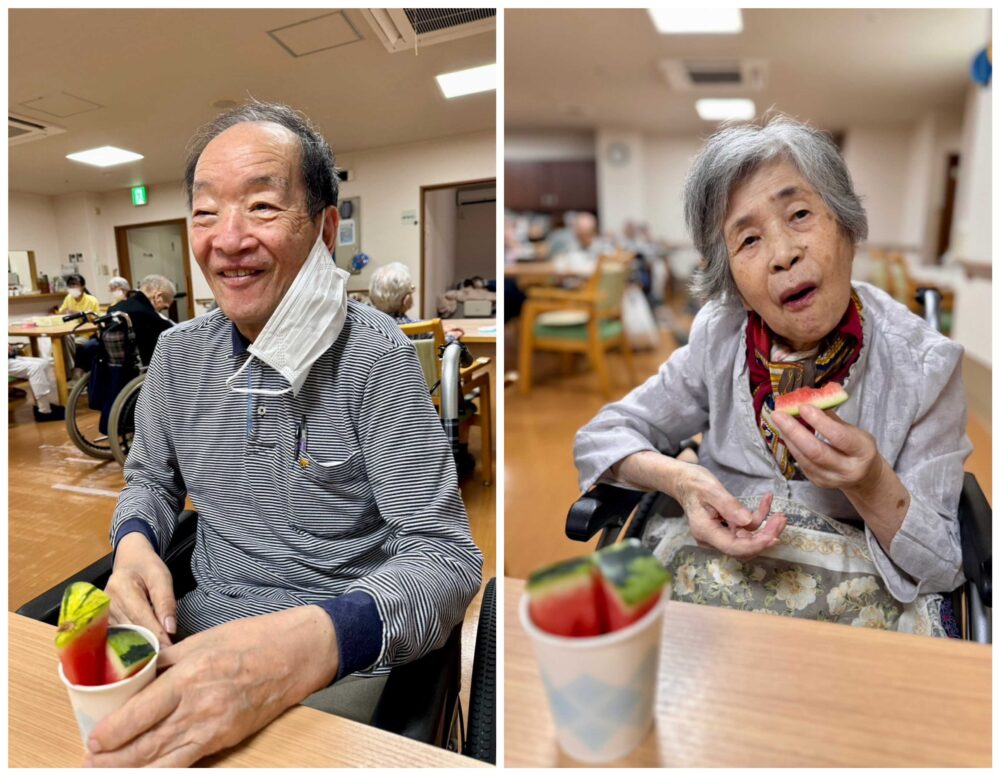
x=601, y=690
x=91, y=703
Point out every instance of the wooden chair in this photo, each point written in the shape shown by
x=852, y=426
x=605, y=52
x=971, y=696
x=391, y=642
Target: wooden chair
x=587, y=320
x=475, y=376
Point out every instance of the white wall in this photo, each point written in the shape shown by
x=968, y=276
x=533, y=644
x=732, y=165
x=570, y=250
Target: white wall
x=440, y=218
x=878, y=160
x=621, y=185
x=388, y=180
x=972, y=233
x=31, y=225
x=668, y=160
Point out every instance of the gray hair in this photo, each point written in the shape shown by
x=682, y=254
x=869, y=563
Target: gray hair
x=389, y=286
x=733, y=154
x=319, y=172
x=120, y=283
x=158, y=283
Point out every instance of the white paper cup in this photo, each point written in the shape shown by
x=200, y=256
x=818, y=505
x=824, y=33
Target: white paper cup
x=91, y=703
x=602, y=689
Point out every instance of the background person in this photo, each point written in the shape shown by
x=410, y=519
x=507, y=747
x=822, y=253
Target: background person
x=40, y=374
x=156, y=294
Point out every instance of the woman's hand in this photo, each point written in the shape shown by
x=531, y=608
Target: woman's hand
x=222, y=685
x=719, y=520
x=142, y=589
x=848, y=460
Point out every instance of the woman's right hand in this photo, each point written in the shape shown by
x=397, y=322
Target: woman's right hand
x=142, y=589
x=718, y=519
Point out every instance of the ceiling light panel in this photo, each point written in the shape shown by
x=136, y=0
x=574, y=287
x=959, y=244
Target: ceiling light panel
x=697, y=21
x=106, y=156
x=725, y=109
x=471, y=81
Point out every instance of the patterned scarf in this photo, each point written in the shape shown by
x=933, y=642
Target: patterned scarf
x=774, y=371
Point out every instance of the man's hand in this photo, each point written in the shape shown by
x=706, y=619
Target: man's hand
x=222, y=685
x=848, y=460
x=719, y=520
x=141, y=588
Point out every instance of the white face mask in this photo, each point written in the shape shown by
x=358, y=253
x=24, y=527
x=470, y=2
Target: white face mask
x=75, y=292
x=117, y=295
x=304, y=326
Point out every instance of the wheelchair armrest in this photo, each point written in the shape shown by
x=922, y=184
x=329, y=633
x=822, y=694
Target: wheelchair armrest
x=45, y=607
x=419, y=697
x=975, y=522
x=603, y=506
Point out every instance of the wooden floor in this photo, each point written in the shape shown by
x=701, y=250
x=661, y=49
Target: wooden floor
x=540, y=479
x=60, y=504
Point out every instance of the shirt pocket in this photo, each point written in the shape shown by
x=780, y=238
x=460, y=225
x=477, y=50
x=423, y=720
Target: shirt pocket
x=330, y=498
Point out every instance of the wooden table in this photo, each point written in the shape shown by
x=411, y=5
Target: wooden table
x=56, y=333
x=744, y=689
x=474, y=327
x=42, y=731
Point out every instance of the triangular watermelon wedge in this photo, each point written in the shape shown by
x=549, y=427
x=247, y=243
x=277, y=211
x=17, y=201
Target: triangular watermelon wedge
x=826, y=397
x=83, y=629
x=632, y=580
x=563, y=599
x=127, y=653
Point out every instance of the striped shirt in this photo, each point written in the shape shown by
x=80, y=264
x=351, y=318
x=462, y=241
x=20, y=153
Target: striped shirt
x=364, y=517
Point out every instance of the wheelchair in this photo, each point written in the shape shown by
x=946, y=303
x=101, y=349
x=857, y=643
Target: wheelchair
x=100, y=411
x=420, y=699
x=606, y=510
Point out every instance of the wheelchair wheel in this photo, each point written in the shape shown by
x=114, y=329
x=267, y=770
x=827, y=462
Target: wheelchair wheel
x=83, y=423
x=121, y=425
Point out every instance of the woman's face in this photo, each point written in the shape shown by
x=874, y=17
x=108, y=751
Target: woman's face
x=790, y=259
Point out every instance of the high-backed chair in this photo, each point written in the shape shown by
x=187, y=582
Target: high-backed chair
x=587, y=320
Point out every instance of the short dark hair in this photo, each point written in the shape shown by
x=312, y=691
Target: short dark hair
x=319, y=171
x=76, y=279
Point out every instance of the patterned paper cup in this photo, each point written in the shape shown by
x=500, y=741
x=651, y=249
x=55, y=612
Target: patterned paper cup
x=91, y=703
x=601, y=690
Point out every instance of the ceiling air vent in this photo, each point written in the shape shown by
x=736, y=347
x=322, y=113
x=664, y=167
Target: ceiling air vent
x=21, y=130
x=714, y=75
x=401, y=29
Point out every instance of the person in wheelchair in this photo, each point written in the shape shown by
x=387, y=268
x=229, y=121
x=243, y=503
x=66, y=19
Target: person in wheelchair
x=156, y=294
x=863, y=525
x=332, y=538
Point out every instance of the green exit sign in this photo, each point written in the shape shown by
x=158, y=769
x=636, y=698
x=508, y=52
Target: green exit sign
x=139, y=196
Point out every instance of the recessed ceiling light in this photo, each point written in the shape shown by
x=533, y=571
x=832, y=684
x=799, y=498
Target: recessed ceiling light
x=106, y=156
x=725, y=109
x=471, y=81
x=697, y=21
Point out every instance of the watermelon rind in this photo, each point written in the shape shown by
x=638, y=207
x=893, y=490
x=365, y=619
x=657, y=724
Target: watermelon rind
x=823, y=398
x=632, y=570
x=82, y=603
x=559, y=574
x=127, y=652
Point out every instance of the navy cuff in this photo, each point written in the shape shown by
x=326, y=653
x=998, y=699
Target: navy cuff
x=137, y=525
x=359, y=630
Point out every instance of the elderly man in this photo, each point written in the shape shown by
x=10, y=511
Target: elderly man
x=145, y=310
x=332, y=538
x=583, y=239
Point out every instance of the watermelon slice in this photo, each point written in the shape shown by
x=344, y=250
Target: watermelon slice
x=826, y=397
x=562, y=599
x=127, y=652
x=632, y=580
x=83, y=628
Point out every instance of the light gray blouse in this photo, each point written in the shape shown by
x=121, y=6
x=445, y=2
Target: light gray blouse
x=905, y=389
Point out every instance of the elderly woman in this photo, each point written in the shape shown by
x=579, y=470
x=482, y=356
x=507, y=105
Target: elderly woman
x=868, y=494
x=391, y=291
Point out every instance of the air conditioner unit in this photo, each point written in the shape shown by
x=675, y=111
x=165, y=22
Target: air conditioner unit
x=21, y=130
x=401, y=29
x=712, y=75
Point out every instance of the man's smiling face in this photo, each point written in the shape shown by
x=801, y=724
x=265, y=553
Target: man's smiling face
x=251, y=231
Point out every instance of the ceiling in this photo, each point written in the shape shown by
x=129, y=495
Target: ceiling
x=583, y=69
x=145, y=80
